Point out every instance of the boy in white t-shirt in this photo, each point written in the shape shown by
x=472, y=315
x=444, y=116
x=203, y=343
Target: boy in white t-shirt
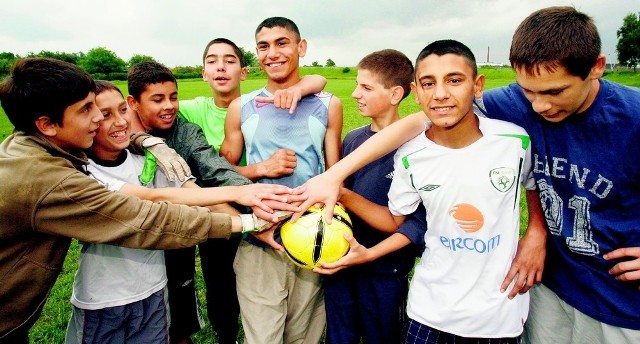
x=467, y=172
x=119, y=293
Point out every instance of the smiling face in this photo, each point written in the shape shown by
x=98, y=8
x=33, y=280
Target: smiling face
x=445, y=88
x=157, y=106
x=113, y=134
x=374, y=99
x=556, y=94
x=279, y=51
x=223, y=70
x=80, y=122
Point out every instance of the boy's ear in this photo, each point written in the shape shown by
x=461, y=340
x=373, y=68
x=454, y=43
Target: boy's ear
x=396, y=95
x=597, y=71
x=243, y=73
x=132, y=103
x=478, y=85
x=46, y=127
x=415, y=94
x=302, y=47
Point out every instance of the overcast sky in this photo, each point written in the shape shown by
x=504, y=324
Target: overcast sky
x=175, y=32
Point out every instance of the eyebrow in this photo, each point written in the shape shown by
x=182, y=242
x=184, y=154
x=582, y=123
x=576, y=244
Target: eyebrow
x=223, y=56
x=87, y=105
x=162, y=94
x=279, y=39
x=446, y=76
x=547, y=91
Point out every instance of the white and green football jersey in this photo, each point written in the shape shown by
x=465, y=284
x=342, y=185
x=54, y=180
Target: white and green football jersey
x=473, y=213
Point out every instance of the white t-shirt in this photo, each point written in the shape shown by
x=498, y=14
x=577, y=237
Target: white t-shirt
x=472, y=199
x=108, y=275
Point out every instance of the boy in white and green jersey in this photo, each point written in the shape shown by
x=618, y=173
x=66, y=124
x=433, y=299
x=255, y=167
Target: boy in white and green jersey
x=467, y=172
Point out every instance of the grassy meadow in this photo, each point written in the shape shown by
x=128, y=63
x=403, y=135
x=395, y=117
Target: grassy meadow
x=52, y=324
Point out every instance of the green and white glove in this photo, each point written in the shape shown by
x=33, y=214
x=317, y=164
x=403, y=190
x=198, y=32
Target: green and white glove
x=253, y=224
x=171, y=163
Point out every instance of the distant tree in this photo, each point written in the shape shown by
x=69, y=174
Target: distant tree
x=628, y=46
x=6, y=62
x=315, y=64
x=67, y=57
x=250, y=59
x=187, y=72
x=135, y=59
x=102, y=60
x=330, y=63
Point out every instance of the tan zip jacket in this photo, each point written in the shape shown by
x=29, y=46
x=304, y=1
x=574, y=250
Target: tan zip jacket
x=46, y=199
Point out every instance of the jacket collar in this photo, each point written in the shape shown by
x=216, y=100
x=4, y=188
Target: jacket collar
x=77, y=157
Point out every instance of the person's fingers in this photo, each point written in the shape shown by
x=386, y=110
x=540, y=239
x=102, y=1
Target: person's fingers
x=266, y=215
x=293, y=107
x=261, y=99
x=325, y=270
x=529, y=281
x=328, y=211
x=276, y=205
x=513, y=272
x=176, y=166
x=288, y=100
x=277, y=101
x=267, y=212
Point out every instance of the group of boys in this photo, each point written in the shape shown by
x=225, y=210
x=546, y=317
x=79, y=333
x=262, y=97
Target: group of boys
x=464, y=170
x=578, y=124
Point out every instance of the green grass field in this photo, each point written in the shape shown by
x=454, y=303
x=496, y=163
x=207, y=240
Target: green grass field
x=52, y=324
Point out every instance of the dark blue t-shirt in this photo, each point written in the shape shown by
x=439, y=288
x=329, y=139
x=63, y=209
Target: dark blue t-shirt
x=373, y=182
x=588, y=175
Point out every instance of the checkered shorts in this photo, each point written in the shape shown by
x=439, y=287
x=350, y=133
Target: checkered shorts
x=417, y=333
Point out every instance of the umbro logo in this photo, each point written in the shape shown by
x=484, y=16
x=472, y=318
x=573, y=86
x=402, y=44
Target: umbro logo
x=429, y=187
x=389, y=175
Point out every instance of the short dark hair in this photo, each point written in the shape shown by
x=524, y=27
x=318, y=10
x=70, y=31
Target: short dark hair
x=279, y=22
x=104, y=85
x=235, y=48
x=556, y=37
x=391, y=68
x=146, y=73
x=42, y=87
x=449, y=46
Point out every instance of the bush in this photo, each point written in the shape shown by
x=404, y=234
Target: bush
x=117, y=76
x=99, y=76
x=346, y=70
x=187, y=75
x=256, y=72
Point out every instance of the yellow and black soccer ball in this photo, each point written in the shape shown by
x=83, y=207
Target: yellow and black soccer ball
x=311, y=240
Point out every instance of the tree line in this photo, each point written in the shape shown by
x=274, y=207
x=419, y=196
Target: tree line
x=103, y=63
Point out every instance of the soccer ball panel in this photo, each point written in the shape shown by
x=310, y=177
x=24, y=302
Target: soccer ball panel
x=310, y=240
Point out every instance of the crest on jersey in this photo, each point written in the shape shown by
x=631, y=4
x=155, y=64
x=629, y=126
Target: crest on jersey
x=502, y=178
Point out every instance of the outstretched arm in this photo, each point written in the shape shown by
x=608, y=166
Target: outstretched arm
x=373, y=214
x=288, y=98
x=528, y=264
x=324, y=188
x=252, y=195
